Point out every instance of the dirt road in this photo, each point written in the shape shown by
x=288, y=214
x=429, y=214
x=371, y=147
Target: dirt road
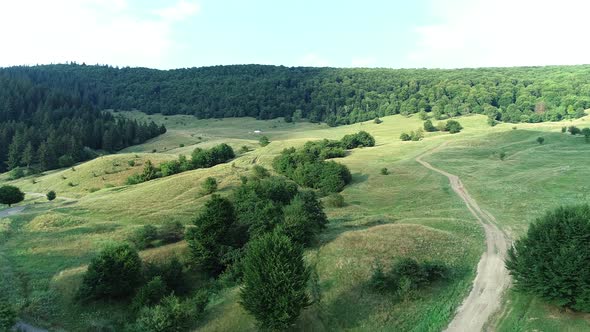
x=10, y=211
x=492, y=278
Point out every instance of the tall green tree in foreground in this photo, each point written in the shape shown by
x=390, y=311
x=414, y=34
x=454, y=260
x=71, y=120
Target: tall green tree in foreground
x=275, y=279
x=211, y=238
x=553, y=260
x=304, y=218
x=11, y=195
x=114, y=273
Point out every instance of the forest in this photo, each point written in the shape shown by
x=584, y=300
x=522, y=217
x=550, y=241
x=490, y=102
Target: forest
x=43, y=127
x=336, y=96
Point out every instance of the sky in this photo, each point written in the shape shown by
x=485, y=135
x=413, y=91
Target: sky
x=369, y=33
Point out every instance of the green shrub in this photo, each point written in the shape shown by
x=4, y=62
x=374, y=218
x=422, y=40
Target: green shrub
x=150, y=294
x=260, y=172
x=502, y=155
x=307, y=168
x=172, y=273
x=65, y=161
x=51, y=195
x=335, y=200
x=563, y=129
x=275, y=281
x=304, y=218
x=171, y=315
x=133, y=179
x=16, y=173
x=384, y=171
x=264, y=141
x=574, y=130
x=362, y=138
x=453, y=126
x=209, y=186
x=379, y=281
x=551, y=261
x=171, y=231
x=377, y=121
x=144, y=236
x=428, y=126
x=417, y=135
x=407, y=276
x=405, y=137
x=540, y=140
x=131, y=163
x=115, y=273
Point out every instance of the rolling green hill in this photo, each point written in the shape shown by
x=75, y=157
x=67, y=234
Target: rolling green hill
x=411, y=212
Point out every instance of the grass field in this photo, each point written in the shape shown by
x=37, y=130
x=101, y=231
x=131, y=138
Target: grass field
x=531, y=179
x=412, y=212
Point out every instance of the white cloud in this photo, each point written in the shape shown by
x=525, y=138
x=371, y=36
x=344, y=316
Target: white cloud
x=312, y=60
x=178, y=12
x=91, y=31
x=476, y=33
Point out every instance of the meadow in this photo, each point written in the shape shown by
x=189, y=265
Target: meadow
x=411, y=212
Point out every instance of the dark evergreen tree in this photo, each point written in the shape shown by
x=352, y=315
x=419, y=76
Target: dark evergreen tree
x=553, y=260
x=211, y=237
x=275, y=281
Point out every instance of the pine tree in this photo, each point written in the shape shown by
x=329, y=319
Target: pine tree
x=211, y=237
x=28, y=155
x=275, y=281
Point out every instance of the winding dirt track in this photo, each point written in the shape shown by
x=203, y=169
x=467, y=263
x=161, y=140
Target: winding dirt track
x=492, y=278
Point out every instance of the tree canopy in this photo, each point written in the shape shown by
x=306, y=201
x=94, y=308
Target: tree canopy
x=553, y=259
x=10, y=195
x=333, y=95
x=275, y=281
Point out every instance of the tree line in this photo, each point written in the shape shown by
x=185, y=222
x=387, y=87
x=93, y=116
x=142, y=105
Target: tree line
x=42, y=127
x=334, y=95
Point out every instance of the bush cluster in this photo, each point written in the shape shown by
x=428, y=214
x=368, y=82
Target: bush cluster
x=307, y=166
x=200, y=158
x=256, y=208
x=413, y=135
x=406, y=276
x=148, y=236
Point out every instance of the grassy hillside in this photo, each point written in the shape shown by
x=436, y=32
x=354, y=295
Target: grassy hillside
x=412, y=212
x=531, y=179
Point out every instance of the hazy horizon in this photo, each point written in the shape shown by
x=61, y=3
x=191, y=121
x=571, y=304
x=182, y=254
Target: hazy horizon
x=376, y=34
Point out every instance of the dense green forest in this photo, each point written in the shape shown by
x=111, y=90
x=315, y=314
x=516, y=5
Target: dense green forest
x=334, y=95
x=49, y=113
x=47, y=127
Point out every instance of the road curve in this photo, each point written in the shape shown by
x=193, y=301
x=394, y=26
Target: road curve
x=492, y=278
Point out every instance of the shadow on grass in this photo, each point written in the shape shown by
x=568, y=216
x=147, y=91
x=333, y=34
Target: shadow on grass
x=359, y=178
x=361, y=306
x=347, y=224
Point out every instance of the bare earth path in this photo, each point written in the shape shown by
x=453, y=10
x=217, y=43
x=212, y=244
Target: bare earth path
x=492, y=278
